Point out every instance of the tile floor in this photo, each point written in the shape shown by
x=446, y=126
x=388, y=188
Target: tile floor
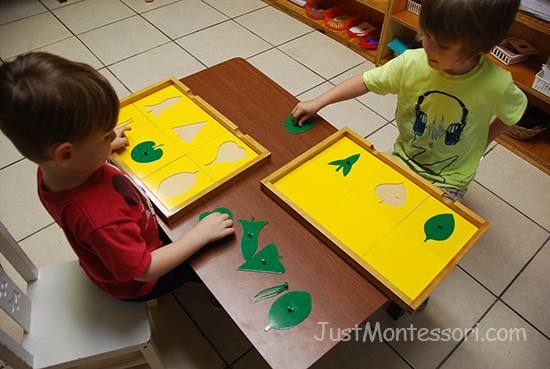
x=503, y=283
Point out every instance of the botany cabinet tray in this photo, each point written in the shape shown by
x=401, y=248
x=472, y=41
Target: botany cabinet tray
x=390, y=224
x=182, y=151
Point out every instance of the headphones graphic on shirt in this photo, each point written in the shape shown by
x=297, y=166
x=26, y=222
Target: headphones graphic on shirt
x=454, y=130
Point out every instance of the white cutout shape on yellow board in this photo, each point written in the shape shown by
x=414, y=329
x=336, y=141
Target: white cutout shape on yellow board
x=125, y=123
x=188, y=132
x=392, y=194
x=177, y=184
x=229, y=152
x=156, y=109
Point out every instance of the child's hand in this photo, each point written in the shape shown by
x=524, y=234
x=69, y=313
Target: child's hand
x=214, y=227
x=303, y=111
x=120, y=139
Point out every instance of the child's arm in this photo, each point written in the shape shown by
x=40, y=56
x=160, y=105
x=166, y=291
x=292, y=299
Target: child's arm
x=213, y=227
x=120, y=138
x=496, y=129
x=346, y=90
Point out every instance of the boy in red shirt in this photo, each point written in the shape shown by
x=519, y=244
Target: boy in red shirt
x=61, y=115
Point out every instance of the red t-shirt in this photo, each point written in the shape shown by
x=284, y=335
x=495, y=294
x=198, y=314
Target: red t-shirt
x=112, y=228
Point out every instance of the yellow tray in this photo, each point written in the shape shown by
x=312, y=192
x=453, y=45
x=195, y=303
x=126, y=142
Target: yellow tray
x=182, y=151
x=394, y=227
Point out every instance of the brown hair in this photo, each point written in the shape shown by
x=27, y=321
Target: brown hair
x=46, y=99
x=477, y=25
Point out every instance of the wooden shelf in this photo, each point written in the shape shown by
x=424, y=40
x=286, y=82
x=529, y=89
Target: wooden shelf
x=407, y=19
x=536, y=150
x=377, y=6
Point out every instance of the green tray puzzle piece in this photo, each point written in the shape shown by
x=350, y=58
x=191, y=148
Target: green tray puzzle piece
x=146, y=152
x=270, y=292
x=290, y=127
x=289, y=310
x=266, y=260
x=439, y=227
x=346, y=163
x=249, y=241
x=218, y=210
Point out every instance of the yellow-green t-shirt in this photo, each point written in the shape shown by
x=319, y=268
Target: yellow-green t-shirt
x=444, y=119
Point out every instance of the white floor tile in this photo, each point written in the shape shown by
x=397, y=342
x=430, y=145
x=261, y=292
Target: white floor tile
x=223, y=42
x=273, y=26
x=501, y=344
x=123, y=39
x=287, y=72
x=20, y=209
x=530, y=294
x=120, y=89
x=502, y=251
x=140, y=6
x=185, y=17
x=73, y=49
x=236, y=8
x=30, y=33
x=87, y=15
x=12, y=10
x=456, y=304
x=519, y=183
x=155, y=65
x=8, y=152
x=322, y=54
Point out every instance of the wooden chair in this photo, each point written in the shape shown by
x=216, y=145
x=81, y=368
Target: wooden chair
x=68, y=321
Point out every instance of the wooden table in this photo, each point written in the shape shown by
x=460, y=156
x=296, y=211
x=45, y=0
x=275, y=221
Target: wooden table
x=341, y=297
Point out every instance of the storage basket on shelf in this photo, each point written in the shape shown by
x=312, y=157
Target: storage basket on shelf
x=413, y=7
x=339, y=17
x=363, y=27
x=316, y=9
x=522, y=133
x=533, y=122
x=370, y=42
x=506, y=58
x=541, y=85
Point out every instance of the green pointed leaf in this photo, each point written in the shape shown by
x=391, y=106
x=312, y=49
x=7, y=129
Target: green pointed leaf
x=249, y=240
x=290, y=127
x=439, y=227
x=266, y=260
x=346, y=163
x=289, y=310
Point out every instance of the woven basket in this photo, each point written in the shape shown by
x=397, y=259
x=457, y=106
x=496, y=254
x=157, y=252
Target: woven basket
x=522, y=133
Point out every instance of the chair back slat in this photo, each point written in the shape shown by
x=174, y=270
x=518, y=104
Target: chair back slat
x=14, y=302
x=13, y=354
x=16, y=256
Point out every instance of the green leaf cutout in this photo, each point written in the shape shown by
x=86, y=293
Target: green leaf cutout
x=266, y=260
x=295, y=129
x=146, y=152
x=218, y=210
x=249, y=240
x=289, y=310
x=439, y=227
x=346, y=163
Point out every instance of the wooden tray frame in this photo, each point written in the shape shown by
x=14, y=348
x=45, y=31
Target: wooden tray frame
x=169, y=216
x=389, y=289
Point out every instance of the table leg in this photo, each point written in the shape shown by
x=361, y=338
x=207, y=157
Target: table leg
x=395, y=311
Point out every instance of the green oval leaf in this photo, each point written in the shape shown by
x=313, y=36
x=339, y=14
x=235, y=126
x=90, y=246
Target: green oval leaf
x=439, y=227
x=289, y=310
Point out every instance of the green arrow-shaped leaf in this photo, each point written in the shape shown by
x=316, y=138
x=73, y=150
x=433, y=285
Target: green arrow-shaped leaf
x=266, y=260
